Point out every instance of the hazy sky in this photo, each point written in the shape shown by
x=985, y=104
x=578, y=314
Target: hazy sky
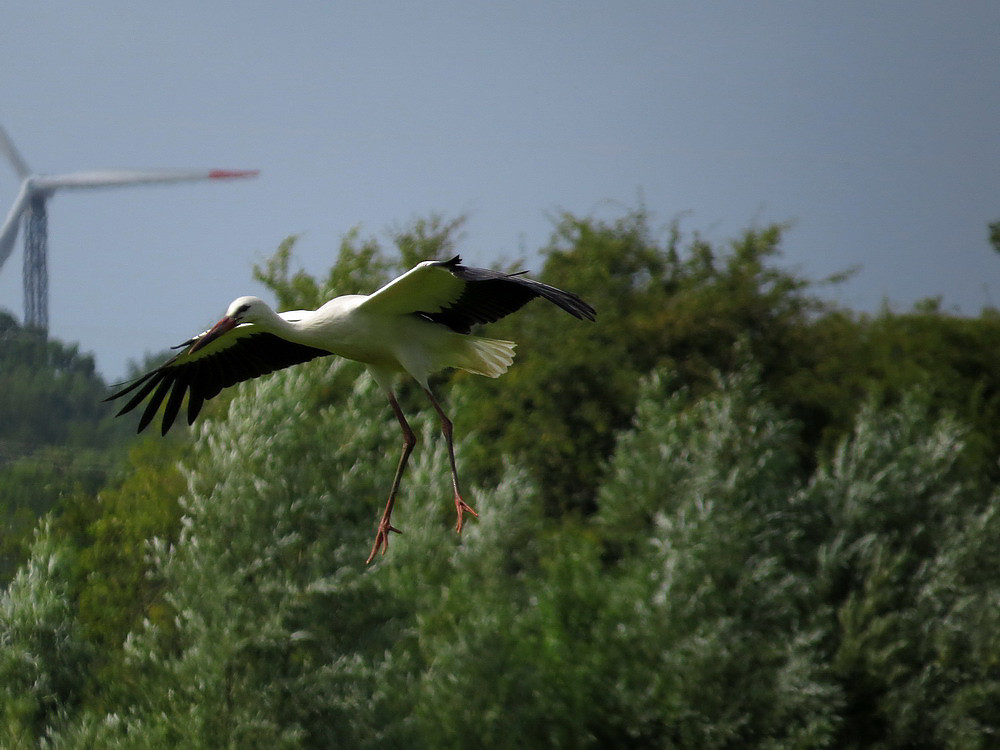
x=874, y=127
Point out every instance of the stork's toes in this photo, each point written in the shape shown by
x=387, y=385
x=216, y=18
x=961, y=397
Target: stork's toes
x=462, y=507
x=381, y=540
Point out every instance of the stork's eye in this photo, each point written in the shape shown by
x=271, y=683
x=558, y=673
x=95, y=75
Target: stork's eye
x=243, y=308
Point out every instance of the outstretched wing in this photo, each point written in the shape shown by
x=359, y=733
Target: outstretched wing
x=243, y=353
x=459, y=297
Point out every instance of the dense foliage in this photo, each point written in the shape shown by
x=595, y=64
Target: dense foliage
x=725, y=515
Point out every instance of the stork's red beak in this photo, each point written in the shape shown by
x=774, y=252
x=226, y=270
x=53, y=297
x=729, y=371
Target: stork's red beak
x=220, y=328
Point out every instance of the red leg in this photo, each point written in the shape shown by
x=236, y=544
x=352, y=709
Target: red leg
x=385, y=525
x=446, y=427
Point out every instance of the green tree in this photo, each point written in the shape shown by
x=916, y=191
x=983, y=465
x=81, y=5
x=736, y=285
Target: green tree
x=708, y=631
x=114, y=587
x=278, y=629
x=899, y=567
x=42, y=651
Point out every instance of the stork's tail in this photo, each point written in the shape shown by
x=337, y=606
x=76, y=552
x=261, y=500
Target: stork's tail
x=489, y=357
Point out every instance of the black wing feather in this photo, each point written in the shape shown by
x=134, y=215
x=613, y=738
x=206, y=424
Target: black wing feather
x=150, y=379
x=196, y=399
x=154, y=402
x=491, y=295
x=174, y=402
x=203, y=377
x=212, y=379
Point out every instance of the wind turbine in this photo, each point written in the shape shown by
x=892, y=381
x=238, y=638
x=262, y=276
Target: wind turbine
x=30, y=206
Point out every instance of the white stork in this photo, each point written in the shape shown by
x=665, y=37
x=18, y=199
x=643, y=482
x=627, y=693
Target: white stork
x=417, y=324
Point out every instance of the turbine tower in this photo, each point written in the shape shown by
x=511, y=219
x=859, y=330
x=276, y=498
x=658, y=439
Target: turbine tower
x=30, y=207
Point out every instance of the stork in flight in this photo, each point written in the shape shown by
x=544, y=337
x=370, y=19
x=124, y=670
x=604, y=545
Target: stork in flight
x=416, y=324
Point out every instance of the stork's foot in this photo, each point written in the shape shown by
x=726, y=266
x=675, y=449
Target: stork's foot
x=382, y=539
x=462, y=507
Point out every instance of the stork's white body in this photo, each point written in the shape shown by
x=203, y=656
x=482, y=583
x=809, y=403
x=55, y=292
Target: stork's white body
x=388, y=344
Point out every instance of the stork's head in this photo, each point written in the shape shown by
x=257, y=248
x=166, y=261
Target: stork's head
x=247, y=310
x=242, y=310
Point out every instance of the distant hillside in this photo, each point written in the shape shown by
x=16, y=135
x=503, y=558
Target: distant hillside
x=56, y=436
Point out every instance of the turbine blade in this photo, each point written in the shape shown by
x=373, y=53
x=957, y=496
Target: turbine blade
x=8, y=233
x=7, y=146
x=112, y=178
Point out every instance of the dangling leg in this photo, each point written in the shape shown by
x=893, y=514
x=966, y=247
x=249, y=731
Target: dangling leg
x=446, y=427
x=385, y=525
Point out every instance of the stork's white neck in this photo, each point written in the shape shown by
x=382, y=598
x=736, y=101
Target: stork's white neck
x=288, y=325
x=256, y=312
